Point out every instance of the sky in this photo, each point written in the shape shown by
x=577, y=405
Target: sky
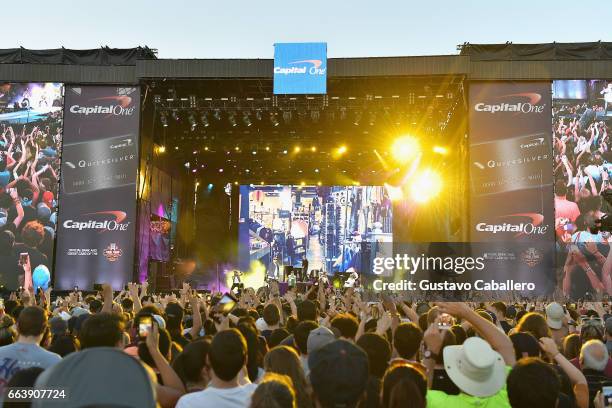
x=249, y=28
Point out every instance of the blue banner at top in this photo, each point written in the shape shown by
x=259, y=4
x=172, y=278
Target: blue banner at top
x=300, y=68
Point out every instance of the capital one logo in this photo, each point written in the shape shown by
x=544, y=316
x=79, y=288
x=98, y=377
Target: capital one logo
x=101, y=221
x=523, y=102
x=115, y=105
x=308, y=66
x=520, y=224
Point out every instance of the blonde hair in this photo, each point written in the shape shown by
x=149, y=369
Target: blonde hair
x=274, y=391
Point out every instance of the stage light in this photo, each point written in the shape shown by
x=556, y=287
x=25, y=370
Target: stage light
x=303, y=183
x=206, y=148
x=339, y=151
x=164, y=119
x=210, y=186
x=254, y=152
x=273, y=119
x=197, y=184
x=319, y=183
x=220, y=170
x=187, y=165
x=192, y=122
x=285, y=152
x=161, y=149
x=440, y=150
x=194, y=170
x=261, y=183
x=395, y=193
x=425, y=185
x=231, y=118
x=176, y=147
x=175, y=116
x=315, y=115
x=237, y=148
x=246, y=119
x=204, y=120
x=287, y=116
x=235, y=183
x=316, y=170
x=313, y=149
x=297, y=149
x=405, y=149
x=267, y=148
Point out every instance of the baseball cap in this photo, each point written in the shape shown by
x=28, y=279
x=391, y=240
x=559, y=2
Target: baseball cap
x=554, y=315
x=115, y=373
x=338, y=373
x=174, y=310
x=318, y=338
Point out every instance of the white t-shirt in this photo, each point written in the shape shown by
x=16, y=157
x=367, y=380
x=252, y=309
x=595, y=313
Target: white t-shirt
x=238, y=397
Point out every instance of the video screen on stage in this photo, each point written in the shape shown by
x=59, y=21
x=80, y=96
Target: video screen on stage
x=30, y=145
x=328, y=228
x=582, y=118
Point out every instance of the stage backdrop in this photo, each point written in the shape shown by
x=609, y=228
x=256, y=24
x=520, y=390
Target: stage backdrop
x=512, y=179
x=97, y=217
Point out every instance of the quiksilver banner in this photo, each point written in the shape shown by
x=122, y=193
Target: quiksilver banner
x=512, y=178
x=97, y=210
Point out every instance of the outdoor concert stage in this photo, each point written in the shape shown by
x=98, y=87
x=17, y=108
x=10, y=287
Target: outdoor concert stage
x=206, y=169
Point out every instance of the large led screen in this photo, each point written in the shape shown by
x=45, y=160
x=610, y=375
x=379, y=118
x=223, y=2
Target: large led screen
x=328, y=226
x=582, y=116
x=30, y=145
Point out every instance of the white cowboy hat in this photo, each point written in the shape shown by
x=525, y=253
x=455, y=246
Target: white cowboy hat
x=475, y=367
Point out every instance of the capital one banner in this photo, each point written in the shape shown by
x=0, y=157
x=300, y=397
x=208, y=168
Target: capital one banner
x=97, y=210
x=512, y=179
x=300, y=68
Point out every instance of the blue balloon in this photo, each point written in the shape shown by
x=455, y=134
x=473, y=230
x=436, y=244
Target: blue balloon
x=41, y=277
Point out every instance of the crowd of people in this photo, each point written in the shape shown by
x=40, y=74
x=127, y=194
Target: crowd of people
x=582, y=172
x=29, y=169
x=324, y=347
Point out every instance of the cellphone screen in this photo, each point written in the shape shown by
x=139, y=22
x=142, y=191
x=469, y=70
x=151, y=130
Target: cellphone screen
x=607, y=395
x=144, y=326
x=226, y=303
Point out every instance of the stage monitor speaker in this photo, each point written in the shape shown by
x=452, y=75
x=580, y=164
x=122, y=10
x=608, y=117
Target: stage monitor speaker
x=158, y=276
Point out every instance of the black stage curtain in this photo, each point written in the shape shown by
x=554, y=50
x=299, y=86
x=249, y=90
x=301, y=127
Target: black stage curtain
x=98, y=56
x=538, y=52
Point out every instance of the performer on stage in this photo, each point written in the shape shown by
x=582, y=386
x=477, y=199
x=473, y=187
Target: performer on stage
x=304, y=271
x=236, y=282
x=274, y=270
x=607, y=93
